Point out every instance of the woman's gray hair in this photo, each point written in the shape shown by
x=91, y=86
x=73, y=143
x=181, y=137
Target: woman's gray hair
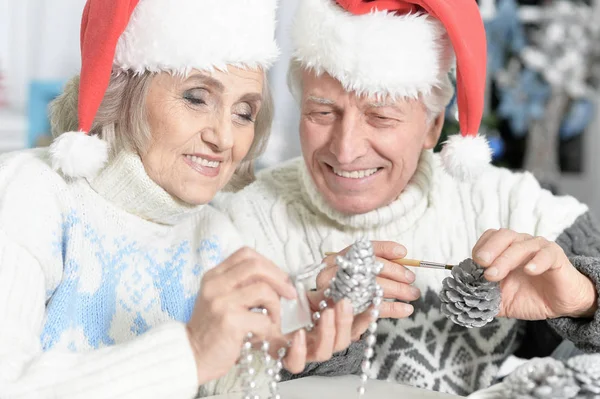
x=435, y=101
x=122, y=122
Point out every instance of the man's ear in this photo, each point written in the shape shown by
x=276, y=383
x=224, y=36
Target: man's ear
x=434, y=132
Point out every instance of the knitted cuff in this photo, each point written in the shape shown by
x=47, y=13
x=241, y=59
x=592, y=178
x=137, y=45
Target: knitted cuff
x=584, y=333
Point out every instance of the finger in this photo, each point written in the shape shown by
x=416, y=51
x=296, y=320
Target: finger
x=258, y=295
x=515, y=256
x=391, y=270
x=344, y=316
x=238, y=256
x=321, y=339
x=544, y=260
x=496, y=244
x=482, y=240
x=384, y=249
x=394, y=271
x=395, y=310
x=248, y=322
x=325, y=276
x=249, y=271
x=295, y=360
x=360, y=325
x=388, y=250
x=399, y=291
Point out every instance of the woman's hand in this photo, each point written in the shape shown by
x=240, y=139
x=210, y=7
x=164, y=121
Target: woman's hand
x=537, y=279
x=222, y=317
x=332, y=333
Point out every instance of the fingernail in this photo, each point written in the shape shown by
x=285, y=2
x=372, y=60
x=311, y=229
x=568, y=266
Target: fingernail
x=484, y=257
x=492, y=272
x=415, y=292
x=409, y=308
x=531, y=267
x=410, y=276
x=399, y=251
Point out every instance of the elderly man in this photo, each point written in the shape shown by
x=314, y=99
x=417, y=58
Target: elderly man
x=371, y=78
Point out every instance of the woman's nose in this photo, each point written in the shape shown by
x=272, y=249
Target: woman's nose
x=220, y=134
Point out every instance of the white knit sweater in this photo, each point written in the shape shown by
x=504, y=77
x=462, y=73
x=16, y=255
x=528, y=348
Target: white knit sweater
x=437, y=219
x=96, y=281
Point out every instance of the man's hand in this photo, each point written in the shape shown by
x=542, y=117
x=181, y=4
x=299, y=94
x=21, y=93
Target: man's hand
x=537, y=279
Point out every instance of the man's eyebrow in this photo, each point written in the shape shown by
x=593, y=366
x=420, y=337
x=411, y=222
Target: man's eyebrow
x=320, y=100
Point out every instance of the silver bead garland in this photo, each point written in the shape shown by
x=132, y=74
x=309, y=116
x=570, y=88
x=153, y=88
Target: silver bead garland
x=356, y=281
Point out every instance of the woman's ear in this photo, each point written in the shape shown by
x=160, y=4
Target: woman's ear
x=434, y=132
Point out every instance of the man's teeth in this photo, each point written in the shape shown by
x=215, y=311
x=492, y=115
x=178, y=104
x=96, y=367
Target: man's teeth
x=203, y=162
x=356, y=174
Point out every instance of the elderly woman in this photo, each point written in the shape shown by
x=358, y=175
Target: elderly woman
x=372, y=107
x=105, y=238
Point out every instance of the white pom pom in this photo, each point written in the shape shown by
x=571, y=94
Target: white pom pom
x=76, y=154
x=465, y=158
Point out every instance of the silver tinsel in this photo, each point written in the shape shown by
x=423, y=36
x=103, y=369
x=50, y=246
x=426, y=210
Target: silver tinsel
x=542, y=378
x=586, y=370
x=468, y=299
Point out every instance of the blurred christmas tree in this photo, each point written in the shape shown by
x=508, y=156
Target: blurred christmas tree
x=543, y=71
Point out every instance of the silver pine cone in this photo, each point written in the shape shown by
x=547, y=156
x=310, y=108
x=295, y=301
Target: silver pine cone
x=356, y=276
x=586, y=370
x=542, y=378
x=468, y=299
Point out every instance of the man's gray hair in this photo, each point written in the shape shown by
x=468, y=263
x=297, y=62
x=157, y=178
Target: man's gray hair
x=122, y=122
x=435, y=101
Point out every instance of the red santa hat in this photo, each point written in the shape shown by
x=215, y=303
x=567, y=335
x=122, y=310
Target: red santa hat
x=401, y=48
x=155, y=36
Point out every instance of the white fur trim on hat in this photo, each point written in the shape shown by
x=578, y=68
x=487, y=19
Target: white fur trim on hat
x=379, y=53
x=465, y=158
x=76, y=154
x=177, y=36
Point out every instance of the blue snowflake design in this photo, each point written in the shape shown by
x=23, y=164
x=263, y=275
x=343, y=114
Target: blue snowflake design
x=168, y=265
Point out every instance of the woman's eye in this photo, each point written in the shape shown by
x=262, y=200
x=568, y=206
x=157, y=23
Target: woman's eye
x=244, y=111
x=196, y=96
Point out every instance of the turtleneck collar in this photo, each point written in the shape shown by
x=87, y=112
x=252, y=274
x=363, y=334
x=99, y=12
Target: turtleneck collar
x=125, y=183
x=405, y=210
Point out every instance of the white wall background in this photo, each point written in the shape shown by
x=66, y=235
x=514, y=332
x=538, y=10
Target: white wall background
x=39, y=39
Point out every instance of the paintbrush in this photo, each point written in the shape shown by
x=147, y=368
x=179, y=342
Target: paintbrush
x=414, y=263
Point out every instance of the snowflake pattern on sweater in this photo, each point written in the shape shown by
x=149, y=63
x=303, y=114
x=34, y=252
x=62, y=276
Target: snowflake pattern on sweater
x=138, y=286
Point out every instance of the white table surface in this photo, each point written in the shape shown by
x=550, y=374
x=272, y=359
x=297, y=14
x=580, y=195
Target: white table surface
x=345, y=388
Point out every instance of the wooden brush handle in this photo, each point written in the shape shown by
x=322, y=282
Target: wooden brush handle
x=410, y=262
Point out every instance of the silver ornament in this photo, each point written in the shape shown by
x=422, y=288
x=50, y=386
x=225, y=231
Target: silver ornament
x=586, y=370
x=542, y=378
x=356, y=281
x=356, y=277
x=468, y=299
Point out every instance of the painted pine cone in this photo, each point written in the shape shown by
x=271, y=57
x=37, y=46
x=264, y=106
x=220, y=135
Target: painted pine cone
x=542, y=378
x=586, y=370
x=356, y=276
x=468, y=299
